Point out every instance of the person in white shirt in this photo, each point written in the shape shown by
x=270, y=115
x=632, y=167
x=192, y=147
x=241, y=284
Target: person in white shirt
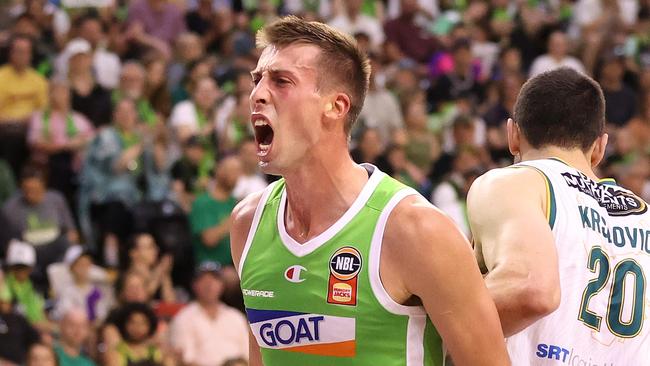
x=207, y=332
x=556, y=56
x=196, y=116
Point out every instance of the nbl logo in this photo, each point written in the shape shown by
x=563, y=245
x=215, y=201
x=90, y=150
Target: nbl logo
x=345, y=264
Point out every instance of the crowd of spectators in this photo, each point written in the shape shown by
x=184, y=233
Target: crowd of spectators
x=125, y=143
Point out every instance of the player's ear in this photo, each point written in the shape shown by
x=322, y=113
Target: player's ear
x=338, y=107
x=598, y=150
x=514, y=138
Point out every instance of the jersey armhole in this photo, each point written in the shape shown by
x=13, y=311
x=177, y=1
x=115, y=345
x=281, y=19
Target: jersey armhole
x=551, y=206
x=377, y=286
x=254, y=224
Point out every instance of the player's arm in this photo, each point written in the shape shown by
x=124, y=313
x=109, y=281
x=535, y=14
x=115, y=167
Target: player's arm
x=434, y=261
x=507, y=215
x=242, y=219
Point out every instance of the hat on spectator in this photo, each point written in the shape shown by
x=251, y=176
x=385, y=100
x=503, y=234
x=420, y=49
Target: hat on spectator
x=20, y=253
x=73, y=253
x=210, y=267
x=77, y=46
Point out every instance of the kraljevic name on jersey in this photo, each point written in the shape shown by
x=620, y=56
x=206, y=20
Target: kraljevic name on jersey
x=321, y=303
x=602, y=236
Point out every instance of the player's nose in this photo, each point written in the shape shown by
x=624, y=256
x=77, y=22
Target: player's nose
x=259, y=95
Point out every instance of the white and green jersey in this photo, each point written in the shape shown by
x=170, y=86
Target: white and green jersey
x=602, y=236
x=322, y=303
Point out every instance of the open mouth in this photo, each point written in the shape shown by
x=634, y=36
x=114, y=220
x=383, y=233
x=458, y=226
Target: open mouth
x=263, y=136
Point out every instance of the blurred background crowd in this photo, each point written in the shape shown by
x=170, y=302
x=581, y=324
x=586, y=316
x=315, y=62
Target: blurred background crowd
x=125, y=143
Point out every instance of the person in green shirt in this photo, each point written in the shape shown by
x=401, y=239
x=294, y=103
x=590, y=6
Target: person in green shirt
x=20, y=260
x=75, y=330
x=210, y=216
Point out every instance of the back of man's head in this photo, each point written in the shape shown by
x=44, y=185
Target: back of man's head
x=561, y=108
x=342, y=63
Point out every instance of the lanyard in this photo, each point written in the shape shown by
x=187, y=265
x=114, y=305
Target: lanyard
x=70, y=128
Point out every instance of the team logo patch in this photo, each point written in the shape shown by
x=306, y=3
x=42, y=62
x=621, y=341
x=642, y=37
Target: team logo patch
x=292, y=274
x=615, y=201
x=315, y=334
x=345, y=265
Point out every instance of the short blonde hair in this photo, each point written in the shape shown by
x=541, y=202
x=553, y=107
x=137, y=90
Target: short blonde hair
x=342, y=61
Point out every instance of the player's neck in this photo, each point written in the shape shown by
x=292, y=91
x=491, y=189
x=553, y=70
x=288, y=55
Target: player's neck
x=575, y=158
x=319, y=193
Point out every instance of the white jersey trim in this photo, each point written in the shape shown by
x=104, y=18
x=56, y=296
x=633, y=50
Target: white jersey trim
x=256, y=221
x=375, y=256
x=415, y=340
x=301, y=250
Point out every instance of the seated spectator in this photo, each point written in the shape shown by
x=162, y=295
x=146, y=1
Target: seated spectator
x=16, y=335
x=394, y=163
x=497, y=115
x=88, y=96
x=207, y=332
x=194, y=71
x=40, y=354
x=75, y=332
x=197, y=115
x=462, y=81
x=129, y=288
x=381, y=108
x=557, y=56
x=58, y=135
x=20, y=260
x=105, y=62
x=188, y=49
x=43, y=219
x=137, y=324
x=132, y=85
x=23, y=91
x=95, y=298
x=252, y=180
x=60, y=275
x=408, y=37
x=422, y=146
x=191, y=173
x=369, y=147
x=450, y=195
x=210, y=215
x=620, y=99
x=110, y=176
x=156, y=272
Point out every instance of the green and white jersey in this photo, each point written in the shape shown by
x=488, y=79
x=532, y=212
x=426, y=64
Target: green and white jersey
x=322, y=302
x=602, y=237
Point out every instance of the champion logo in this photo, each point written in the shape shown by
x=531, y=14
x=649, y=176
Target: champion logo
x=292, y=274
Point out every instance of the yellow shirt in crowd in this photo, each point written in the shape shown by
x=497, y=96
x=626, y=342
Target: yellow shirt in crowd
x=21, y=93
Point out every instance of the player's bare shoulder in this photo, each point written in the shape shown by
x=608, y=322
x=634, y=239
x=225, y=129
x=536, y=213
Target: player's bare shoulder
x=514, y=182
x=241, y=221
x=416, y=225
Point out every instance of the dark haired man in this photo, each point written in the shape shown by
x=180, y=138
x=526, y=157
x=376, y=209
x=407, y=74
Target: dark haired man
x=339, y=263
x=565, y=253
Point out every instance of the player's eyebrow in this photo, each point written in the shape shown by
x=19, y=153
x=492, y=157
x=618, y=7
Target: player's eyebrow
x=273, y=71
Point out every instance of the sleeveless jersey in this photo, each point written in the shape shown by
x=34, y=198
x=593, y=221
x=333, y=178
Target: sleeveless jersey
x=322, y=302
x=602, y=236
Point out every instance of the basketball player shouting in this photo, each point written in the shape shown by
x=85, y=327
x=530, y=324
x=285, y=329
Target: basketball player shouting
x=340, y=264
x=567, y=255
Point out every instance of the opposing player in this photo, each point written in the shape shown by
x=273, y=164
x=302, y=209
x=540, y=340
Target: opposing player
x=567, y=255
x=339, y=263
